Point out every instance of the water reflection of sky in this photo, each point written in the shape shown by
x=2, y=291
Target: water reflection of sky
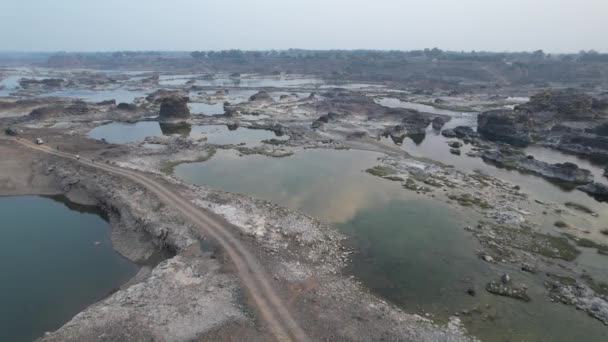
x=413, y=250
x=122, y=132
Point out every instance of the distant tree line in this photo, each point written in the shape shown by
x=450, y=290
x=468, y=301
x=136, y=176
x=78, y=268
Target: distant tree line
x=378, y=55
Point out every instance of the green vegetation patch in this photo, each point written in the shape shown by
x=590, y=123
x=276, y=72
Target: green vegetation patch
x=587, y=243
x=381, y=171
x=467, y=200
x=557, y=247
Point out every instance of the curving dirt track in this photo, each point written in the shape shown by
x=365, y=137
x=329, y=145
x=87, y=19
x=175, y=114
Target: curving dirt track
x=252, y=274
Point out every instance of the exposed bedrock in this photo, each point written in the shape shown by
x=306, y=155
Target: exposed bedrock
x=567, y=173
x=566, y=103
x=27, y=83
x=589, y=145
x=598, y=190
x=567, y=120
x=505, y=125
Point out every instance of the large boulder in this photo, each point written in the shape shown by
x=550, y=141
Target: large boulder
x=438, y=122
x=174, y=107
x=260, y=96
x=416, y=123
x=465, y=132
x=230, y=110
x=505, y=125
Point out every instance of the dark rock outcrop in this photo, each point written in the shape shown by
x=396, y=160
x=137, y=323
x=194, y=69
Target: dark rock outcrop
x=323, y=119
x=126, y=106
x=260, y=96
x=416, y=123
x=505, y=125
x=585, y=144
x=567, y=103
x=27, y=83
x=438, y=122
x=77, y=108
x=230, y=110
x=11, y=131
x=158, y=95
x=465, y=132
x=448, y=133
x=564, y=119
x=174, y=107
x=598, y=190
x=45, y=112
x=106, y=103
x=329, y=117
x=567, y=173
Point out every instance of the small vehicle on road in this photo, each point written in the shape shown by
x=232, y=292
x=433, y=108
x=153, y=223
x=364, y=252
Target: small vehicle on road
x=39, y=141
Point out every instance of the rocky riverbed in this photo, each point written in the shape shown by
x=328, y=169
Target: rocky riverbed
x=517, y=229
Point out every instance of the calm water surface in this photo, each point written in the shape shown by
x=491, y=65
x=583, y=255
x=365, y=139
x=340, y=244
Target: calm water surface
x=122, y=133
x=54, y=262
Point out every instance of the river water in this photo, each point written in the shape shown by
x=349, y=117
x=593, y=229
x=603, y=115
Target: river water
x=55, y=260
x=122, y=133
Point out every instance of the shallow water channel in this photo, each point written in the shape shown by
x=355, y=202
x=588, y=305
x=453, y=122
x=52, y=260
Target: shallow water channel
x=55, y=260
x=122, y=132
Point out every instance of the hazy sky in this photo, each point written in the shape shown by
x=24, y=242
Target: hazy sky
x=498, y=25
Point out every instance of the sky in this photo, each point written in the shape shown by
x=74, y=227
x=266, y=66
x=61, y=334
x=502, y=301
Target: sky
x=186, y=25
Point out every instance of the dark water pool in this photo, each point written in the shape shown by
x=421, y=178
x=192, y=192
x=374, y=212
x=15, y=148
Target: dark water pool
x=55, y=260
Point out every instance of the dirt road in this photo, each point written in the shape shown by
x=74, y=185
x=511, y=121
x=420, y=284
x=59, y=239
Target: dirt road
x=250, y=271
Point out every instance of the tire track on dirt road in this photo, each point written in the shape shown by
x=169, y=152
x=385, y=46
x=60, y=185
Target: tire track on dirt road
x=252, y=274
